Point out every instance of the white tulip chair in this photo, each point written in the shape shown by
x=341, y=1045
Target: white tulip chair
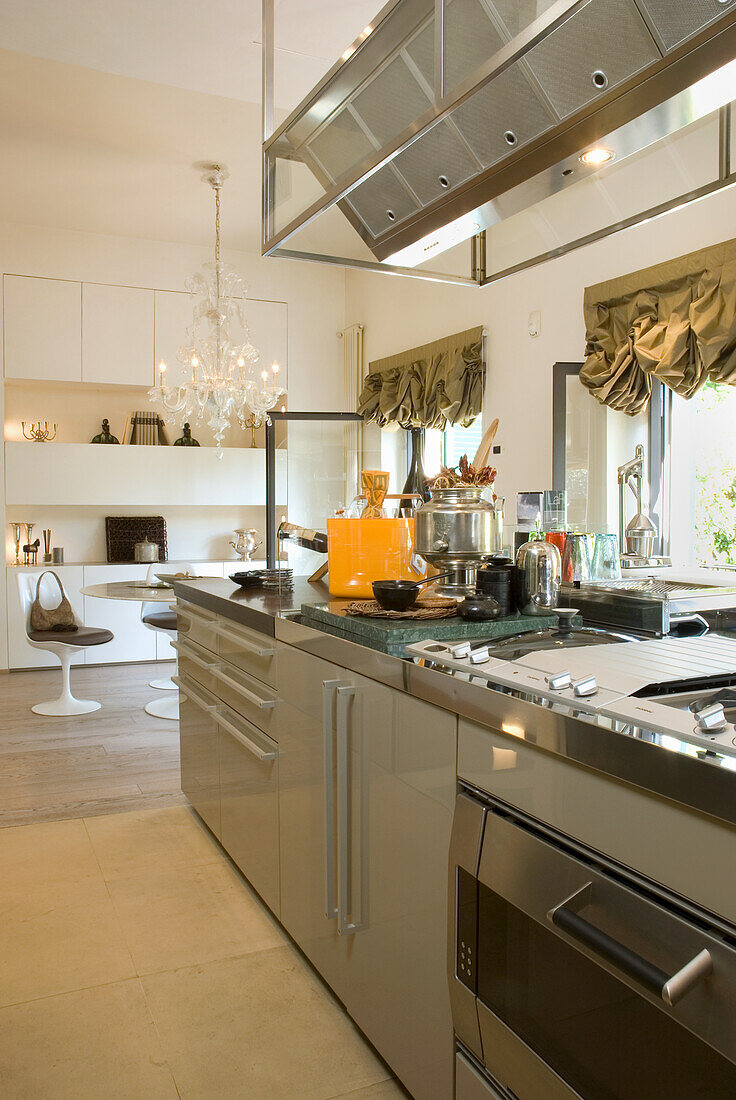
x=64, y=644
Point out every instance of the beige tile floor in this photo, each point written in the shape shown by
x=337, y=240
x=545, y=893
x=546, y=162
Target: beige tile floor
x=136, y=962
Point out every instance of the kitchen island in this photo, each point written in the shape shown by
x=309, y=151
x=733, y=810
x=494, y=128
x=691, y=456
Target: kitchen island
x=330, y=771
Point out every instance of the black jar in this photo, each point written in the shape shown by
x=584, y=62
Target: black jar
x=495, y=579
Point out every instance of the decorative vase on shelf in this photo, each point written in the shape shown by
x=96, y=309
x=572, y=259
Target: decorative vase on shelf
x=186, y=440
x=416, y=481
x=105, y=435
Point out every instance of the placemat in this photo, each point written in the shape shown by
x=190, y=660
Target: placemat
x=123, y=532
x=433, y=607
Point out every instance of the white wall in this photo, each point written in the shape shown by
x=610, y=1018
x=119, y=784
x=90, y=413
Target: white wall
x=401, y=313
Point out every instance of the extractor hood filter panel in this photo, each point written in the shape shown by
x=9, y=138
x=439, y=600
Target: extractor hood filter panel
x=676, y=20
x=502, y=116
x=382, y=201
x=341, y=145
x=391, y=102
x=595, y=50
x=438, y=162
x=470, y=39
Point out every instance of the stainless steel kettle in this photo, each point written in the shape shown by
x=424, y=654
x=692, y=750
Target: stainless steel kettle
x=539, y=567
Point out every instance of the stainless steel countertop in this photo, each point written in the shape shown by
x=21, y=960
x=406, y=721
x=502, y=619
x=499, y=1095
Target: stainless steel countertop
x=657, y=764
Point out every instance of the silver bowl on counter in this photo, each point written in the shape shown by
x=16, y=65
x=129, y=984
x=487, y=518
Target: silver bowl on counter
x=455, y=531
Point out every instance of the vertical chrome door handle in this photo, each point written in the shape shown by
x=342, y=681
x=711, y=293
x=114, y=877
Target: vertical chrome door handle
x=347, y=927
x=329, y=687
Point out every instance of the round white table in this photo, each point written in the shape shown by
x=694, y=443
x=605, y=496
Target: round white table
x=143, y=593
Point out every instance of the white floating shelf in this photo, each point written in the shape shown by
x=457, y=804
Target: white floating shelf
x=94, y=474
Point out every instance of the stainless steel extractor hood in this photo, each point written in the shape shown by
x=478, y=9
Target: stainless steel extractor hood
x=447, y=116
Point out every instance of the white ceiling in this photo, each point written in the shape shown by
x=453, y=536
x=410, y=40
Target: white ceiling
x=106, y=105
x=210, y=46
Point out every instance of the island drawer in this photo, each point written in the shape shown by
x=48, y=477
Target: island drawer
x=246, y=695
x=197, y=624
x=247, y=649
x=195, y=662
x=249, y=802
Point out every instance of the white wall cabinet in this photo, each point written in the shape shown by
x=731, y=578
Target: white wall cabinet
x=20, y=653
x=43, y=328
x=133, y=641
x=173, y=316
x=117, y=335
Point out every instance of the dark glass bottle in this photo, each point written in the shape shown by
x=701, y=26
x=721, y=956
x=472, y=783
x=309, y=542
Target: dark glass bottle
x=416, y=481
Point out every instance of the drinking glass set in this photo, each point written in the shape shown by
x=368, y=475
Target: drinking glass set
x=587, y=557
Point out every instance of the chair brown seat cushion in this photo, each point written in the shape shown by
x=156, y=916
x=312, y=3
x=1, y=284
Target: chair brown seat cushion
x=161, y=620
x=86, y=635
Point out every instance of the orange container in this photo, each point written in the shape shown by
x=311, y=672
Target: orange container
x=361, y=551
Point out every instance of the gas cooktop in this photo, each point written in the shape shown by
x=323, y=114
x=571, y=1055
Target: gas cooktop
x=671, y=686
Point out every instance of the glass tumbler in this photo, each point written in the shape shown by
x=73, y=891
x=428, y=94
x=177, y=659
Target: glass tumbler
x=606, y=564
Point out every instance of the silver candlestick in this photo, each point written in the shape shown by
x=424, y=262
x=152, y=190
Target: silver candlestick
x=16, y=537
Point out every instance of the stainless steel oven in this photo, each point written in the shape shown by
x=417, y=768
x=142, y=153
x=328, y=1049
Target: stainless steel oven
x=571, y=976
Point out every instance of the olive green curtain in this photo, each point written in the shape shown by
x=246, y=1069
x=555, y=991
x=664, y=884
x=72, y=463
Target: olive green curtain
x=675, y=322
x=428, y=387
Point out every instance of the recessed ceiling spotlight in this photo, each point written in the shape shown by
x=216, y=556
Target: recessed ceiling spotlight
x=593, y=158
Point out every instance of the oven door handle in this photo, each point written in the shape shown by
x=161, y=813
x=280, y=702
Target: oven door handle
x=671, y=988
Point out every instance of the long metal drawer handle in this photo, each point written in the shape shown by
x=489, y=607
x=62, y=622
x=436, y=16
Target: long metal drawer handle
x=671, y=988
x=183, y=684
x=193, y=613
x=186, y=650
x=241, y=738
x=328, y=689
x=232, y=636
x=345, y=927
x=256, y=700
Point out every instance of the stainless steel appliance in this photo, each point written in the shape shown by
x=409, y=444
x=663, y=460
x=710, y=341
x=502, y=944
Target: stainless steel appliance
x=555, y=78
x=645, y=687
x=539, y=572
x=454, y=532
x=648, y=604
x=573, y=977
x=640, y=534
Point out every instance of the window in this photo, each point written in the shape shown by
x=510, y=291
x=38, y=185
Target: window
x=702, y=465
x=447, y=448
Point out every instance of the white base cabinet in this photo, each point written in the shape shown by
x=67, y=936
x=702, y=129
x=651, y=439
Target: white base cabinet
x=133, y=641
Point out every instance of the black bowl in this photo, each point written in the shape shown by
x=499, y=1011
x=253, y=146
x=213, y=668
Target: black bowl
x=249, y=579
x=395, y=595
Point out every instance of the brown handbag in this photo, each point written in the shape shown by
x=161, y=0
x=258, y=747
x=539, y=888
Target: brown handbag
x=57, y=618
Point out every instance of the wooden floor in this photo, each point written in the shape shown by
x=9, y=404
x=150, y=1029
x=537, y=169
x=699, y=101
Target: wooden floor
x=115, y=759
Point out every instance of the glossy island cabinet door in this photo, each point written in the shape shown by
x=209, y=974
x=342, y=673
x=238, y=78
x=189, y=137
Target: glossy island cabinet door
x=306, y=723
x=199, y=750
x=400, y=799
x=249, y=806
x=367, y=787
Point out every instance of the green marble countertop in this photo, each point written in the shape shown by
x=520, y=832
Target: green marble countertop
x=393, y=635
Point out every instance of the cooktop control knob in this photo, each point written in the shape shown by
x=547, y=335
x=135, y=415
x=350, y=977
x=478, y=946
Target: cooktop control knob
x=462, y=649
x=585, y=687
x=558, y=681
x=712, y=718
x=480, y=656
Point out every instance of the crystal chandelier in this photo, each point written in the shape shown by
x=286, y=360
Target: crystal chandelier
x=221, y=382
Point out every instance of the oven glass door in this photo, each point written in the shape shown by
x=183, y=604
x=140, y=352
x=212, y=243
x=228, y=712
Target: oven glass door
x=590, y=1013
